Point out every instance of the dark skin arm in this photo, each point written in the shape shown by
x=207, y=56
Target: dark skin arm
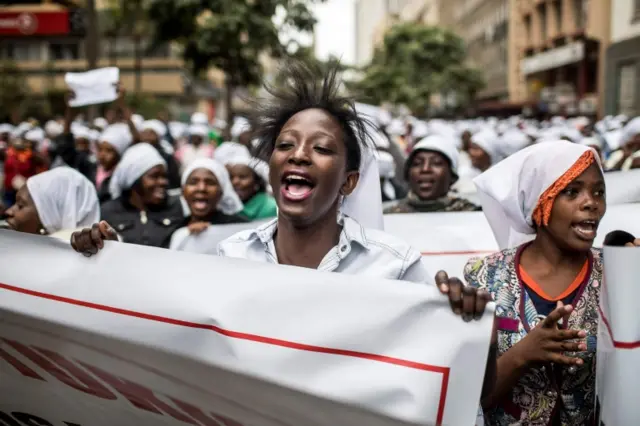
x=544, y=344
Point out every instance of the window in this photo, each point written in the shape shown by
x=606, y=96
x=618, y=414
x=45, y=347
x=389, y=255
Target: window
x=24, y=51
x=64, y=51
x=627, y=81
x=636, y=10
x=542, y=11
x=557, y=7
x=527, y=29
x=580, y=13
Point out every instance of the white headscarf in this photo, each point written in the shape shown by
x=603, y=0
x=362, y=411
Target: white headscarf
x=630, y=130
x=230, y=203
x=591, y=141
x=201, y=130
x=260, y=167
x=118, y=137
x=387, y=168
x=365, y=203
x=155, y=126
x=135, y=162
x=509, y=191
x=64, y=199
x=442, y=145
x=35, y=135
x=488, y=141
x=229, y=150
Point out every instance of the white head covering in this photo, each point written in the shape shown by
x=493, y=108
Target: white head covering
x=53, y=128
x=630, y=130
x=260, y=167
x=441, y=145
x=199, y=118
x=201, y=130
x=135, y=162
x=155, y=126
x=35, y=135
x=100, y=123
x=387, y=168
x=81, y=132
x=509, y=191
x=178, y=129
x=512, y=141
x=239, y=126
x=488, y=141
x=230, y=202
x=365, y=203
x=117, y=137
x=137, y=120
x=229, y=150
x=380, y=140
x=64, y=199
x=6, y=128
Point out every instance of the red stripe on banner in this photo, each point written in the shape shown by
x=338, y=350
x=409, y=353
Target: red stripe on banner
x=617, y=344
x=454, y=253
x=252, y=337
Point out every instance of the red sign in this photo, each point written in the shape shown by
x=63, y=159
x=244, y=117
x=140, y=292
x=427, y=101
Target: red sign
x=34, y=23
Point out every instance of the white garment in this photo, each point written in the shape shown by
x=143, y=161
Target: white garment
x=360, y=250
x=260, y=167
x=229, y=150
x=442, y=145
x=489, y=141
x=626, y=166
x=509, y=191
x=101, y=123
x=513, y=141
x=387, y=168
x=52, y=128
x=135, y=162
x=199, y=118
x=188, y=153
x=201, y=130
x=630, y=130
x=229, y=203
x=118, y=136
x=64, y=199
x=93, y=87
x=365, y=203
x=35, y=135
x=591, y=141
x=81, y=132
x=156, y=126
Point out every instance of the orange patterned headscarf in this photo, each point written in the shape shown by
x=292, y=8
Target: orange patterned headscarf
x=542, y=212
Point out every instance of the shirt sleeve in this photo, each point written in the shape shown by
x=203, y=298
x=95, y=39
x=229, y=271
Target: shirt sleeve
x=417, y=272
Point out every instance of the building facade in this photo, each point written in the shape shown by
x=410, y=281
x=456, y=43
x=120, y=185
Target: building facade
x=484, y=26
x=622, y=94
x=557, y=50
x=46, y=39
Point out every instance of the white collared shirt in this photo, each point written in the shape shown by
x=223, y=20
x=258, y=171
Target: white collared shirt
x=360, y=251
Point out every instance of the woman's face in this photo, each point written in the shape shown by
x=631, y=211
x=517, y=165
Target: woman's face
x=202, y=193
x=429, y=175
x=107, y=156
x=479, y=157
x=577, y=211
x=308, y=167
x=83, y=145
x=23, y=215
x=154, y=185
x=196, y=140
x=149, y=136
x=244, y=181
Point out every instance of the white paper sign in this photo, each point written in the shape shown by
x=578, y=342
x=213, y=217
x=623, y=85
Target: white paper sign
x=93, y=87
x=618, y=366
x=146, y=336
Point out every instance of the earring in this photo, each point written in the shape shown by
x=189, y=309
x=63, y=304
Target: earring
x=42, y=231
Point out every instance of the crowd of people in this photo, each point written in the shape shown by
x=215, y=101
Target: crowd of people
x=304, y=170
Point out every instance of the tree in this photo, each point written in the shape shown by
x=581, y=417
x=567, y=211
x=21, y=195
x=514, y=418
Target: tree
x=13, y=90
x=229, y=34
x=414, y=62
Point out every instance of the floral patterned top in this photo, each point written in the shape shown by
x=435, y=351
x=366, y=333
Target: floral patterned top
x=550, y=394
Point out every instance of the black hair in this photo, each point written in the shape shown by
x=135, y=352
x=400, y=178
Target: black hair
x=307, y=88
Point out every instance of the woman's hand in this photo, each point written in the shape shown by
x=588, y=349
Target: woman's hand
x=547, y=342
x=90, y=240
x=197, y=227
x=465, y=300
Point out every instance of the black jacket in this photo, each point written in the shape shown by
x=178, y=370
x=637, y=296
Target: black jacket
x=149, y=228
x=219, y=218
x=103, y=191
x=173, y=167
x=64, y=147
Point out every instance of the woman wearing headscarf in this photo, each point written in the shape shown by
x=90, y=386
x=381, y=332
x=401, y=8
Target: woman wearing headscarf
x=207, y=190
x=140, y=210
x=112, y=144
x=250, y=179
x=152, y=132
x=431, y=170
x=629, y=142
x=199, y=146
x=544, y=205
x=484, y=150
x=56, y=202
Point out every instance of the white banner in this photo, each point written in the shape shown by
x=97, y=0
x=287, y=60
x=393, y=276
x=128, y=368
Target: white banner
x=446, y=240
x=618, y=366
x=144, y=336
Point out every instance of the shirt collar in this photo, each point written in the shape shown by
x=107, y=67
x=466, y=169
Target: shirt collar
x=352, y=231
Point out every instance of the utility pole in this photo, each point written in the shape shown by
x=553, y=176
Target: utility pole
x=91, y=44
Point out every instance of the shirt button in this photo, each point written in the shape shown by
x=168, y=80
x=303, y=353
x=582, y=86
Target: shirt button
x=572, y=369
x=343, y=249
x=543, y=369
x=166, y=222
x=121, y=226
x=550, y=393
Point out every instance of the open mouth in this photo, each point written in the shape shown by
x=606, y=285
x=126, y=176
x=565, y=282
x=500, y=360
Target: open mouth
x=586, y=229
x=296, y=187
x=200, y=204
